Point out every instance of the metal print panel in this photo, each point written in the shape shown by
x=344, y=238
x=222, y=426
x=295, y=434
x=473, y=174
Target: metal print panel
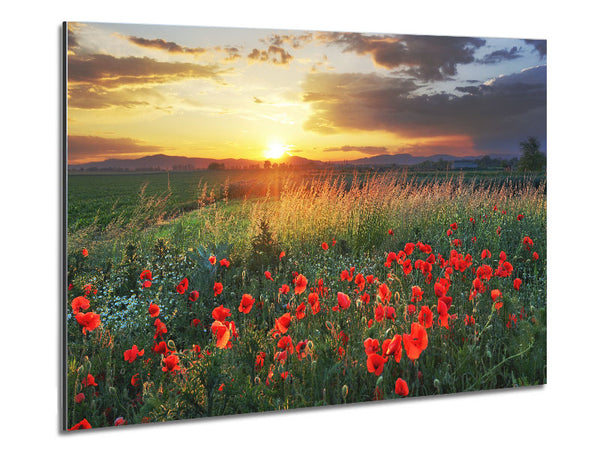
x=262, y=220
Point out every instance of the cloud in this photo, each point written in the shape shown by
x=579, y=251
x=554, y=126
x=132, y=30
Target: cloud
x=111, y=71
x=161, y=44
x=367, y=150
x=538, y=45
x=496, y=114
x=274, y=54
x=86, y=148
x=426, y=58
x=101, y=81
x=501, y=55
x=294, y=40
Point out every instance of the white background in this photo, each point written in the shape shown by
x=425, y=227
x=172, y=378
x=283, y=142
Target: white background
x=565, y=412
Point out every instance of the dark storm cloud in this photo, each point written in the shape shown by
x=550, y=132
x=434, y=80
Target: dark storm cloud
x=274, y=54
x=538, y=45
x=427, y=58
x=367, y=150
x=161, y=44
x=501, y=55
x=83, y=147
x=110, y=71
x=493, y=114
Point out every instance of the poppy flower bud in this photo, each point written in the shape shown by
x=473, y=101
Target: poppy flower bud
x=344, y=391
x=309, y=347
x=363, y=320
x=437, y=384
x=257, y=380
x=112, y=391
x=379, y=381
x=171, y=345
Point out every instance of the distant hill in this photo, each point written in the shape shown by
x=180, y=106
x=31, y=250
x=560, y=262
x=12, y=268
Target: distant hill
x=181, y=163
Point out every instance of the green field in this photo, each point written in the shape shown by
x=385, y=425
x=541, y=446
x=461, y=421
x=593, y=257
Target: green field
x=485, y=334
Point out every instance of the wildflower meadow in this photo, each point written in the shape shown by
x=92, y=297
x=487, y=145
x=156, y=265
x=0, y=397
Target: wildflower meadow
x=324, y=289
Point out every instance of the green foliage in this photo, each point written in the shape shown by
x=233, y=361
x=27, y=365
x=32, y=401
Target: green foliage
x=532, y=159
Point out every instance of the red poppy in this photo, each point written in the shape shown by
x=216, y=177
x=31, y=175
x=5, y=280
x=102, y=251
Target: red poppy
x=486, y=254
x=218, y=288
x=409, y=248
x=426, y=317
x=416, y=341
x=131, y=354
x=496, y=294
x=224, y=262
x=160, y=347
x=171, y=364
x=517, y=283
x=182, y=286
x=383, y=292
x=284, y=289
x=260, y=360
x=527, y=243
x=283, y=323
x=281, y=255
x=161, y=329
x=360, y=281
x=195, y=322
x=411, y=308
x=84, y=424
x=301, y=349
x=365, y=298
x=390, y=312
x=371, y=345
x=449, y=233
x=442, y=310
x=194, y=295
x=407, y=266
x=469, y=320
x=393, y=347
x=212, y=259
x=520, y=217
x=300, y=283
x=135, y=379
x=79, y=303
x=535, y=256
x=268, y=275
x=220, y=313
x=370, y=279
x=345, y=276
x=343, y=302
x=375, y=363
x=120, y=421
x=154, y=310
x=401, y=388
x=379, y=313
x=89, y=380
x=79, y=397
x=221, y=332
x=300, y=311
x=324, y=246
x=246, y=304
x=89, y=321
x=146, y=278
x=391, y=232
x=84, y=252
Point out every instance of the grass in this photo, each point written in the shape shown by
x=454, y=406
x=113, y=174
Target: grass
x=503, y=346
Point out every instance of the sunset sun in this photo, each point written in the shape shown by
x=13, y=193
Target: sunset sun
x=275, y=150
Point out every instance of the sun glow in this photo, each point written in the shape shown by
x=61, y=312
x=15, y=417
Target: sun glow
x=275, y=150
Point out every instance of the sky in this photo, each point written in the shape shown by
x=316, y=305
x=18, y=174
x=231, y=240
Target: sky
x=138, y=90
